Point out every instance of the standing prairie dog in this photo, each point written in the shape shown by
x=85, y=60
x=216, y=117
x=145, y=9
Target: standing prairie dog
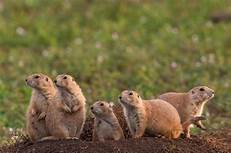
x=43, y=92
x=152, y=116
x=66, y=114
x=106, y=125
x=190, y=103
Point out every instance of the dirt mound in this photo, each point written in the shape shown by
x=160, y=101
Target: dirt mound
x=218, y=141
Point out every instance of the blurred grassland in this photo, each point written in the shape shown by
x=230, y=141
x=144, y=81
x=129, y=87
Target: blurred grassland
x=112, y=45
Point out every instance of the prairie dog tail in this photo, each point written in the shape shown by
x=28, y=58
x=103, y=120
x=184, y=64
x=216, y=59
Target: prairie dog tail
x=192, y=120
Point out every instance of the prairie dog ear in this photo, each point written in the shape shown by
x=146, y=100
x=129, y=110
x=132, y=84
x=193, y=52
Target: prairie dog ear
x=111, y=104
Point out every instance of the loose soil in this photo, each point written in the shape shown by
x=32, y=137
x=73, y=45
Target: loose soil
x=207, y=142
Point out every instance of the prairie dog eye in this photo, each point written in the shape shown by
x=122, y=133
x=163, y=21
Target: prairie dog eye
x=47, y=79
x=138, y=96
x=65, y=77
x=36, y=77
x=101, y=104
x=202, y=89
x=130, y=93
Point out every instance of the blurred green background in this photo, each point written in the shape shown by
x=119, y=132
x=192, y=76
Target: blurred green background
x=111, y=45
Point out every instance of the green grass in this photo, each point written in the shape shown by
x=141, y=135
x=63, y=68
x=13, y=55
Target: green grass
x=151, y=47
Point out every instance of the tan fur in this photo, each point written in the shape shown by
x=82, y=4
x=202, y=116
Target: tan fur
x=43, y=92
x=153, y=116
x=190, y=104
x=66, y=115
x=106, y=125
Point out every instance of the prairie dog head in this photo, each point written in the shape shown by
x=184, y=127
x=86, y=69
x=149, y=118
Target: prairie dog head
x=65, y=81
x=201, y=94
x=101, y=108
x=39, y=82
x=131, y=98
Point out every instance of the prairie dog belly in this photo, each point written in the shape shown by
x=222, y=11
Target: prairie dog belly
x=105, y=129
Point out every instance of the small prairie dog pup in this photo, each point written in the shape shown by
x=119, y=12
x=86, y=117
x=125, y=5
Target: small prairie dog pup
x=43, y=92
x=106, y=125
x=190, y=103
x=156, y=117
x=66, y=115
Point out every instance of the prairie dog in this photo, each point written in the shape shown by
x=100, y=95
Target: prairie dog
x=66, y=115
x=152, y=116
x=106, y=125
x=43, y=91
x=190, y=103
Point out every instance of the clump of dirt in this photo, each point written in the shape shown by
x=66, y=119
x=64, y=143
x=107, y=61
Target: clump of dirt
x=118, y=110
x=210, y=142
x=87, y=130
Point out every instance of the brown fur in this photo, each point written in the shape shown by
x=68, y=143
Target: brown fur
x=106, y=125
x=43, y=92
x=155, y=117
x=66, y=115
x=190, y=104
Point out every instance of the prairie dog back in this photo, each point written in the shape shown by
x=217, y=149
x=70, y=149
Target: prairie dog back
x=182, y=104
x=161, y=115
